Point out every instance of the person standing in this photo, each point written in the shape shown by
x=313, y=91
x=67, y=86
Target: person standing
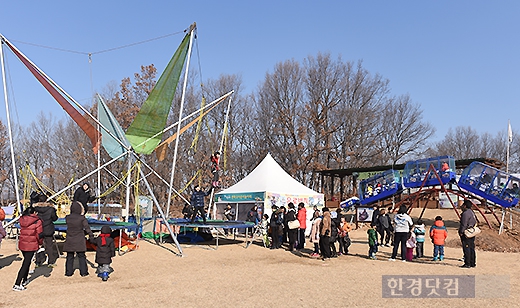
x=325, y=230
x=48, y=216
x=411, y=243
x=29, y=241
x=291, y=233
x=343, y=233
x=372, y=241
x=384, y=227
x=229, y=213
x=77, y=226
x=420, y=231
x=82, y=195
x=315, y=233
x=438, y=234
x=403, y=223
x=302, y=218
x=468, y=220
x=276, y=225
x=197, y=200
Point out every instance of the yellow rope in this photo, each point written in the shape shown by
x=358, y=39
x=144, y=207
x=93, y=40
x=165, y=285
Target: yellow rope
x=117, y=183
x=199, y=126
x=190, y=181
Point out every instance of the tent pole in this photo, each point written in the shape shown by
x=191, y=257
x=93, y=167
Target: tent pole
x=179, y=123
x=128, y=182
x=15, y=174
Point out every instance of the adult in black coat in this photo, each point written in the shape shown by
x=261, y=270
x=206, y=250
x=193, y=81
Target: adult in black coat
x=334, y=224
x=77, y=227
x=291, y=233
x=468, y=220
x=82, y=195
x=48, y=216
x=276, y=227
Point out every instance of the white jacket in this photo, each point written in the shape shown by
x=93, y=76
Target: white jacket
x=403, y=223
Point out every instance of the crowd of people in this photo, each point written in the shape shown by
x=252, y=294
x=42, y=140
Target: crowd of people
x=36, y=239
x=329, y=232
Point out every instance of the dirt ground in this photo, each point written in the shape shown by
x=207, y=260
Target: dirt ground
x=235, y=276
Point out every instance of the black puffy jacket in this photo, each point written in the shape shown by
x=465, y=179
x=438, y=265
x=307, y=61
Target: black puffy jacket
x=47, y=214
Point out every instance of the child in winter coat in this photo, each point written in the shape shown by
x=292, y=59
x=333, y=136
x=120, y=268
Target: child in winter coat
x=75, y=243
x=411, y=242
x=419, y=231
x=264, y=225
x=438, y=234
x=344, y=238
x=105, y=250
x=29, y=241
x=372, y=242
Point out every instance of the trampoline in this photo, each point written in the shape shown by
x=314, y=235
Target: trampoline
x=95, y=225
x=214, y=224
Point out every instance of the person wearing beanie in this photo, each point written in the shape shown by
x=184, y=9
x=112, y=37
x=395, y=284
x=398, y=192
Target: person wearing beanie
x=467, y=220
x=403, y=223
x=105, y=250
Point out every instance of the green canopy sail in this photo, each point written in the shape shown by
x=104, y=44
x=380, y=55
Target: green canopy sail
x=115, y=148
x=145, y=132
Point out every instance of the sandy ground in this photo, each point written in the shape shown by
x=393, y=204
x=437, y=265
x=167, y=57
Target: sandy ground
x=234, y=276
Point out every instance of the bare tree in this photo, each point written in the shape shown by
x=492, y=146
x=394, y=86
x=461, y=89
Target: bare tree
x=404, y=131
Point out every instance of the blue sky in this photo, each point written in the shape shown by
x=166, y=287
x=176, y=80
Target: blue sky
x=458, y=59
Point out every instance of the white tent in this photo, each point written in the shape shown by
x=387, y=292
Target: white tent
x=268, y=184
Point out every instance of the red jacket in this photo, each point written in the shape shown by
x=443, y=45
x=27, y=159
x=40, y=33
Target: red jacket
x=30, y=229
x=302, y=218
x=438, y=233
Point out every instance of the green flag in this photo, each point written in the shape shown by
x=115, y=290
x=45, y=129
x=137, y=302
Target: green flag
x=144, y=134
